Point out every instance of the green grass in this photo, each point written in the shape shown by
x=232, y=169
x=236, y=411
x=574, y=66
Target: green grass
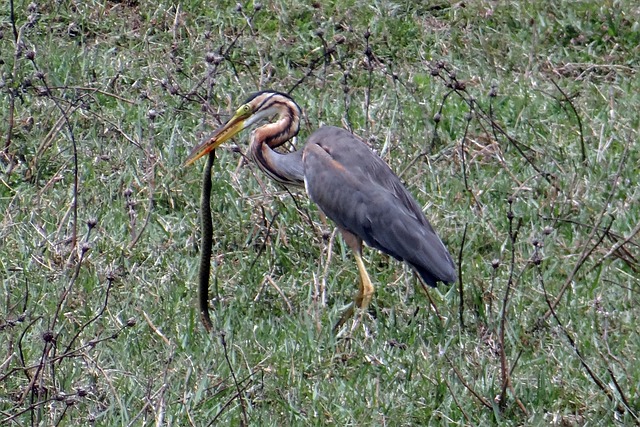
x=129, y=87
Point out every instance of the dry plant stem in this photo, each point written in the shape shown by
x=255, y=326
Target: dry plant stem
x=466, y=385
x=495, y=127
x=74, y=203
x=367, y=94
x=513, y=391
x=623, y=396
x=93, y=319
x=67, y=290
x=586, y=250
x=617, y=246
x=601, y=385
x=504, y=366
x=163, y=388
x=315, y=63
x=155, y=329
x=266, y=239
x=147, y=218
x=93, y=90
x=17, y=37
x=234, y=397
x=575, y=112
x=431, y=301
x=453, y=395
x=239, y=391
x=47, y=141
x=214, y=69
x=460, y=283
x=277, y=288
x=463, y=157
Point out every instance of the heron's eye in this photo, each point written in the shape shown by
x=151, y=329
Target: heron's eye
x=244, y=110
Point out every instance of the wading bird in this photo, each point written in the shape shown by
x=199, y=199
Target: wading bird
x=354, y=187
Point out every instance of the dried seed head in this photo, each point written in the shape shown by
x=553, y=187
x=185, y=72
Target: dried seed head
x=547, y=230
x=437, y=117
x=30, y=55
x=210, y=57
x=257, y=6
x=460, y=85
x=82, y=392
x=131, y=322
x=48, y=336
x=92, y=222
x=339, y=39
x=495, y=263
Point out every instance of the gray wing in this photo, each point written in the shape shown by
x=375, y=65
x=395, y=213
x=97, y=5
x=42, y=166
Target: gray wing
x=358, y=191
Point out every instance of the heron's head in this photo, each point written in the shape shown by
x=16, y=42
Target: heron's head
x=258, y=107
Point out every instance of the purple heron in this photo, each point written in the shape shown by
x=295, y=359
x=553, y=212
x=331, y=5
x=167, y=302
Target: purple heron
x=354, y=187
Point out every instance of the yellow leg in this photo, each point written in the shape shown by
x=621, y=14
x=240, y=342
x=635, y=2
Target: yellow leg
x=366, y=287
x=364, y=295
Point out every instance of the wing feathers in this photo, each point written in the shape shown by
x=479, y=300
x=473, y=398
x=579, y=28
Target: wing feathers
x=358, y=191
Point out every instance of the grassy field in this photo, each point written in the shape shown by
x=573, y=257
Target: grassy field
x=515, y=126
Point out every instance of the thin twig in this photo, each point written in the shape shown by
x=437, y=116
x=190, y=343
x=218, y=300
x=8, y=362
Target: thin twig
x=466, y=385
x=277, y=288
x=588, y=250
x=155, y=329
x=583, y=148
x=239, y=391
x=601, y=385
x=94, y=318
x=460, y=283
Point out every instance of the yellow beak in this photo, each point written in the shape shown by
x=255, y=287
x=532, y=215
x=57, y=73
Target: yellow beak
x=222, y=134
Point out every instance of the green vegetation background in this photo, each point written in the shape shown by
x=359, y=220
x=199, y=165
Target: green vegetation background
x=514, y=124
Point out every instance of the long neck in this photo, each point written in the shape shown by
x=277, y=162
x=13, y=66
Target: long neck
x=284, y=168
